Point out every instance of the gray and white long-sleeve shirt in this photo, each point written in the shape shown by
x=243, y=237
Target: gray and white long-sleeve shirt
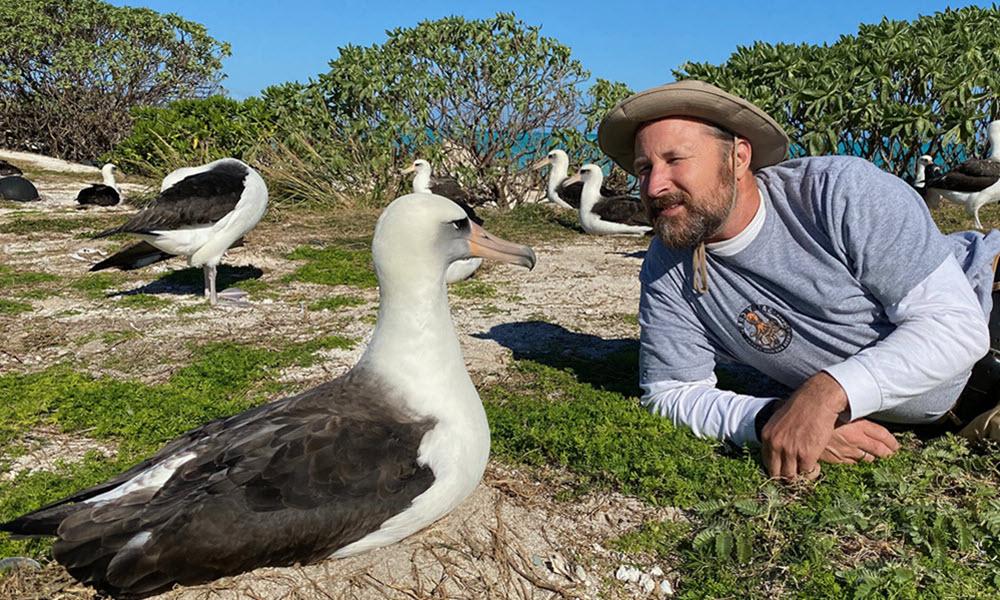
x=842, y=270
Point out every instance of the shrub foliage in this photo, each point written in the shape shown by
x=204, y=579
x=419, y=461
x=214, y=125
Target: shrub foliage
x=892, y=92
x=70, y=70
x=471, y=96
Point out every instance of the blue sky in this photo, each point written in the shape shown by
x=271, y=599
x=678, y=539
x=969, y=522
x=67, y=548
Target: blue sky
x=274, y=42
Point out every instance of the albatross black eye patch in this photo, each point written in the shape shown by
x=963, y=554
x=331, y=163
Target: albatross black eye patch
x=461, y=224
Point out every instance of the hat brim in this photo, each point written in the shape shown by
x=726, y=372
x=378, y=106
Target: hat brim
x=693, y=99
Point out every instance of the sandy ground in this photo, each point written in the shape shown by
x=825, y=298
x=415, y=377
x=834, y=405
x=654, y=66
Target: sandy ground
x=510, y=539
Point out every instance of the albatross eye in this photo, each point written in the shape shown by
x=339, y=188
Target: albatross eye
x=460, y=224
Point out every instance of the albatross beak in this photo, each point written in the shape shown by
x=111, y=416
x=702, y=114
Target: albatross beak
x=571, y=180
x=408, y=169
x=486, y=245
x=541, y=163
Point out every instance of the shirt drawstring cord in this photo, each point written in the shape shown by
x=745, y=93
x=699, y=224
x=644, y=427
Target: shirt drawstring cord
x=699, y=260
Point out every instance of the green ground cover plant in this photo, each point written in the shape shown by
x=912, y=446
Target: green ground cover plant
x=923, y=523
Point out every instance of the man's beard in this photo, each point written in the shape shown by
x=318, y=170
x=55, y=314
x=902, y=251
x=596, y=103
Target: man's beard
x=700, y=218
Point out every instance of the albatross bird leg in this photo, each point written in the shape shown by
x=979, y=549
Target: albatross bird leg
x=973, y=211
x=210, y=271
x=208, y=286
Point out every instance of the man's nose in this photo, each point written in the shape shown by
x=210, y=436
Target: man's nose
x=658, y=182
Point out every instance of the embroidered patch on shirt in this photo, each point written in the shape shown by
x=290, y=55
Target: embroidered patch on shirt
x=764, y=328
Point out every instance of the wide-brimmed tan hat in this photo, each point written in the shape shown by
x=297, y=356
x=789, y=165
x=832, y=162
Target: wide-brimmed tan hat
x=695, y=99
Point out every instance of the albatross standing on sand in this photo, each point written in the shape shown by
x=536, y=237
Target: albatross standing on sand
x=200, y=216
x=425, y=183
x=101, y=194
x=617, y=215
x=559, y=189
x=356, y=463
x=973, y=183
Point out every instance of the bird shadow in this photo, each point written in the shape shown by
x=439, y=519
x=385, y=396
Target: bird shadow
x=191, y=281
x=636, y=254
x=607, y=364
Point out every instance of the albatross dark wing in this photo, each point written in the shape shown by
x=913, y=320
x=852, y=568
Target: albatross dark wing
x=621, y=209
x=571, y=193
x=199, y=199
x=289, y=482
x=132, y=257
x=8, y=169
x=98, y=194
x=979, y=168
x=449, y=187
x=959, y=182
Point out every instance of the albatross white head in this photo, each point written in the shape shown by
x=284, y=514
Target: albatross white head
x=108, y=175
x=921, y=170
x=592, y=178
x=558, y=160
x=422, y=180
x=419, y=235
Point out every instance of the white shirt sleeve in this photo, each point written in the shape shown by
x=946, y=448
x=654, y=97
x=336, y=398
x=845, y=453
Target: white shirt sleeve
x=940, y=333
x=708, y=411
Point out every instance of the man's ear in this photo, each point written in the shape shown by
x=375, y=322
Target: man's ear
x=744, y=154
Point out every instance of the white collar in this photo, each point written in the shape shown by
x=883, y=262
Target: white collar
x=741, y=240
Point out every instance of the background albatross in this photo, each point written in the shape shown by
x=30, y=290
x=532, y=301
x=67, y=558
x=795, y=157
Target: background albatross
x=558, y=186
x=199, y=215
x=975, y=182
x=425, y=183
x=616, y=215
x=356, y=463
x=101, y=194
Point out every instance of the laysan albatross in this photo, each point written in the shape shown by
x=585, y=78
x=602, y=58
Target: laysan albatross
x=974, y=183
x=199, y=216
x=925, y=168
x=559, y=188
x=101, y=194
x=359, y=462
x=616, y=215
x=425, y=183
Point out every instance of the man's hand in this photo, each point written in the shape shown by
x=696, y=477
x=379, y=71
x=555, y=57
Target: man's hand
x=798, y=432
x=858, y=441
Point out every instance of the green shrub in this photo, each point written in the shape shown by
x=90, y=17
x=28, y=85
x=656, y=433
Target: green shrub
x=192, y=131
x=72, y=69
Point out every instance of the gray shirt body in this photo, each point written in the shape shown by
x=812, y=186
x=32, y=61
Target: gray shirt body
x=841, y=241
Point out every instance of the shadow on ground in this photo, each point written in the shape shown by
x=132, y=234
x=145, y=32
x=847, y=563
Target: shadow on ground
x=636, y=254
x=607, y=364
x=191, y=281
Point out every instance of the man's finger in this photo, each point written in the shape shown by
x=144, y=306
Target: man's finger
x=788, y=468
x=866, y=456
x=806, y=468
x=770, y=459
x=831, y=455
x=812, y=474
x=883, y=435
